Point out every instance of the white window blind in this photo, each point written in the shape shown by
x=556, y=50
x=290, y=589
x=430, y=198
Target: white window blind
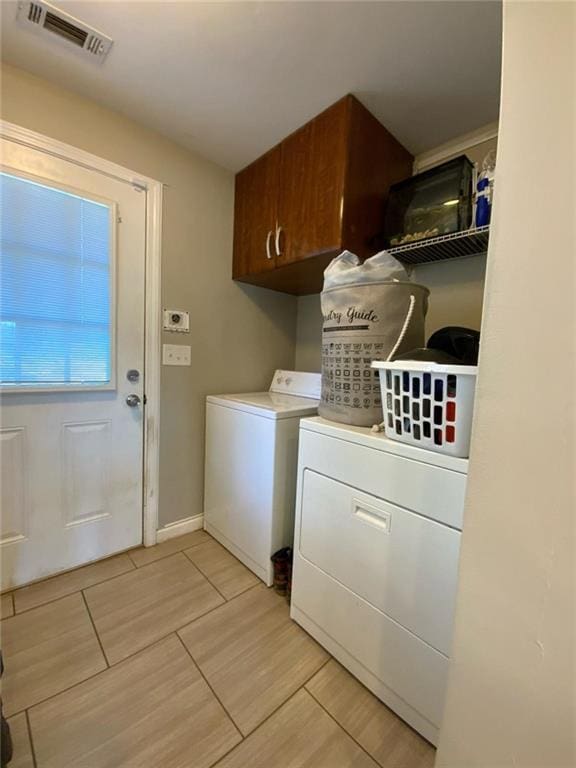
x=55, y=286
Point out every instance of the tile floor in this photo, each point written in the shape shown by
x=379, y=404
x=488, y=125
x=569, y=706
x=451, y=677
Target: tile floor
x=177, y=656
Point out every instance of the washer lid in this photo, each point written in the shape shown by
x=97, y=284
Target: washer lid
x=270, y=405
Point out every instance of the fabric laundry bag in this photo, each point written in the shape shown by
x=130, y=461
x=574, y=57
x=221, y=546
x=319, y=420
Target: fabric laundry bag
x=371, y=312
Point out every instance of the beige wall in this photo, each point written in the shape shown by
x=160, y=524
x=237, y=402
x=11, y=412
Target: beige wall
x=308, y=333
x=456, y=292
x=456, y=286
x=239, y=333
x=512, y=682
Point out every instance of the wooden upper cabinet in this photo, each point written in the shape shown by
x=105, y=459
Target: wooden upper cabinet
x=255, y=216
x=321, y=191
x=313, y=172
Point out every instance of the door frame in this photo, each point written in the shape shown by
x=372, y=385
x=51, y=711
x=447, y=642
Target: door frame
x=153, y=307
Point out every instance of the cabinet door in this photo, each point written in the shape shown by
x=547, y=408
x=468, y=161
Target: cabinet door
x=313, y=172
x=255, y=213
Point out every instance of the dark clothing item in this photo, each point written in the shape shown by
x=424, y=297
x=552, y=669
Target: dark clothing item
x=6, y=742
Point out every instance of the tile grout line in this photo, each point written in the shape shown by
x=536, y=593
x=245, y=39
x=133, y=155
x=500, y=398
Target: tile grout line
x=90, y=677
x=69, y=594
x=131, y=655
x=205, y=575
x=252, y=586
x=379, y=701
x=339, y=724
x=135, y=567
x=54, y=695
x=274, y=711
x=95, y=630
x=157, y=640
x=67, y=572
x=203, y=676
x=228, y=599
x=187, y=651
x=163, y=557
x=30, y=739
x=257, y=728
x=132, y=561
x=300, y=688
x=225, y=755
x=11, y=596
x=172, y=632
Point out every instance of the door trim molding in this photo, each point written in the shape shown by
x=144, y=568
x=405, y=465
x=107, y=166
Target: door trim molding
x=152, y=347
x=153, y=313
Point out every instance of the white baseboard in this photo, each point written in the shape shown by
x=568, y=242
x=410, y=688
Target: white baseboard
x=179, y=528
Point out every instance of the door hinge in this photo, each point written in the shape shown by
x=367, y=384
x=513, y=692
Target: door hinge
x=119, y=220
x=144, y=399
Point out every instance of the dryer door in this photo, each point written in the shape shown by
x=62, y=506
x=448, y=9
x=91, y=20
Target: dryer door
x=403, y=564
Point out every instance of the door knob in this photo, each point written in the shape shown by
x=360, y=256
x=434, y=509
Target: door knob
x=133, y=401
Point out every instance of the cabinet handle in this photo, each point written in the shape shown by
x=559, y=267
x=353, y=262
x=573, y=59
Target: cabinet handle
x=268, y=236
x=279, y=231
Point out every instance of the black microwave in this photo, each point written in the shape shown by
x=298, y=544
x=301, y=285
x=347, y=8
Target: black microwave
x=432, y=203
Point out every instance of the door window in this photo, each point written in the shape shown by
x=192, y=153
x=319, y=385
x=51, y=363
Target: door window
x=56, y=287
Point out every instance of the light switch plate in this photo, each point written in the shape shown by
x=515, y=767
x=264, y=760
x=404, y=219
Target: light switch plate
x=176, y=354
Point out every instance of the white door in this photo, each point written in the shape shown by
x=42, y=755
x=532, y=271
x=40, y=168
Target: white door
x=72, y=328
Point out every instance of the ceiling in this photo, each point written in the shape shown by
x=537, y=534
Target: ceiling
x=231, y=79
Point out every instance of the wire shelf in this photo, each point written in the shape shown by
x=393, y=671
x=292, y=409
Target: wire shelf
x=471, y=242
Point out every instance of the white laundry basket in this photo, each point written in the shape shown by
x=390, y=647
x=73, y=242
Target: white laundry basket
x=428, y=405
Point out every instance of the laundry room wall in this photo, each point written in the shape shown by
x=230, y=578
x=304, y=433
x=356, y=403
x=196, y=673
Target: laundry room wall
x=240, y=333
x=456, y=286
x=510, y=698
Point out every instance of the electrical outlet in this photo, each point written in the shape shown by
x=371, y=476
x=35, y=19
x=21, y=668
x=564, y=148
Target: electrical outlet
x=176, y=354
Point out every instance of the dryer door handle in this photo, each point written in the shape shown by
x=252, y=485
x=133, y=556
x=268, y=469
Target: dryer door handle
x=372, y=515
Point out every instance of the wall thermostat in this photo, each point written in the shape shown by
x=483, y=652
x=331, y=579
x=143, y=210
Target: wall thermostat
x=176, y=320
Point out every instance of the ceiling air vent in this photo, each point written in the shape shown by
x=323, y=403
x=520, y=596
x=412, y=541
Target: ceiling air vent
x=47, y=19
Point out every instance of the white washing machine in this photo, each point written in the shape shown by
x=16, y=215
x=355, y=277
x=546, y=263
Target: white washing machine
x=250, y=469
